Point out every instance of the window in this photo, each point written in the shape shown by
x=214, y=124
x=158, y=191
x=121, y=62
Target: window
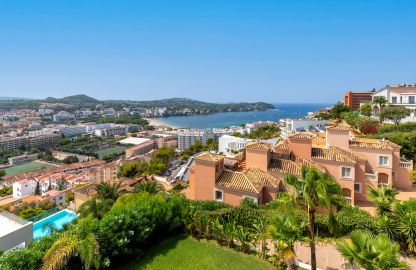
x=394, y=100
x=412, y=99
x=218, y=195
x=345, y=172
x=383, y=161
x=357, y=187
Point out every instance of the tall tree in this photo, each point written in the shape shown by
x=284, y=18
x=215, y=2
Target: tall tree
x=366, y=109
x=394, y=113
x=371, y=252
x=37, y=188
x=380, y=101
x=311, y=191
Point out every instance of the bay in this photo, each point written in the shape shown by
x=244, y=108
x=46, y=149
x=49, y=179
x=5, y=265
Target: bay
x=226, y=119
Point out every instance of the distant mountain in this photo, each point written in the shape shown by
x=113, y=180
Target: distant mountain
x=75, y=99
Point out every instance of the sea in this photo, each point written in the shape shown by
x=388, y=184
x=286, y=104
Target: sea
x=227, y=119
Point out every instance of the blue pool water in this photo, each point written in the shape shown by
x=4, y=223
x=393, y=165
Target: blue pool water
x=57, y=220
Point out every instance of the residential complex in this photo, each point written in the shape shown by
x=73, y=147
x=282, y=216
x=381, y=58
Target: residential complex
x=186, y=138
x=17, y=142
x=354, y=162
x=403, y=95
x=230, y=145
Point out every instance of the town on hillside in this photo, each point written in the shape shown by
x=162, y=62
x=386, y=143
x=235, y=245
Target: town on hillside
x=83, y=161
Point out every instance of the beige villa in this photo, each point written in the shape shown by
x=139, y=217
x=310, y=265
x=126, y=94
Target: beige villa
x=354, y=162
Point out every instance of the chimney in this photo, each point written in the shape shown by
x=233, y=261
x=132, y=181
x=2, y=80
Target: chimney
x=301, y=145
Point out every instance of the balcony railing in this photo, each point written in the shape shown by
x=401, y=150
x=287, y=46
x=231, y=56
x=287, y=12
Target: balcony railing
x=406, y=164
x=371, y=176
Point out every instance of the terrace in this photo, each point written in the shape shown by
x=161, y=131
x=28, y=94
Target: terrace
x=15, y=231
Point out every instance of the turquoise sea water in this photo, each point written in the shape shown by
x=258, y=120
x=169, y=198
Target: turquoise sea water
x=58, y=220
x=220, y=120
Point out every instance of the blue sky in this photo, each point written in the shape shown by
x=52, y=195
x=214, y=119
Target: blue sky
x=212, y=50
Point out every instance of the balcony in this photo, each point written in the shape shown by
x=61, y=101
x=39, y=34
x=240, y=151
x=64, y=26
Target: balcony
x=371, y=176
x=406, y=164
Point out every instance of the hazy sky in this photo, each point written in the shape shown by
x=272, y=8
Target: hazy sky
x=273, y=51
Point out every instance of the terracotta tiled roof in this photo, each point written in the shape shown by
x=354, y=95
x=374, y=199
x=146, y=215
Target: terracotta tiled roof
x=350, y=154
x=339, y=127
x=282, y=145
x=307, y=163
x=331, y=154
x=284, y=166
x=206, y=156
x=251, y=180
x=258, y=146
x=265, y=178
x=301, y=136
x=373, y=143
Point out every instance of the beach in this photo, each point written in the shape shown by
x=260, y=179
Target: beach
x=158, y=123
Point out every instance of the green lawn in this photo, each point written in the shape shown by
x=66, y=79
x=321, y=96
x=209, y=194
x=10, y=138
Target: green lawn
x=28, y=167
x=110, y=151
x=183, y=253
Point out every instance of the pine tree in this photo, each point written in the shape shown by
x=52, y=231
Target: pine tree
x=37, y=189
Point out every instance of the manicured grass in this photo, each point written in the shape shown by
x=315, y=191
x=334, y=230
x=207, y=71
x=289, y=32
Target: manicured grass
x=183, y=253
x=28, y=167
x=109, y=151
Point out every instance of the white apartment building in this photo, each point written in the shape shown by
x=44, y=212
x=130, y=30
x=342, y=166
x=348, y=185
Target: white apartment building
x=24, y=188
x=70, y=131
x=15, y=232
x=63, y=116
x=229, y=145
x=187, y=137
x=302, y=125
x=113, y=130
x=398, y=95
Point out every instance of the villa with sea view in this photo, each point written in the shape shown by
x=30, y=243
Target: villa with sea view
x=355, y=163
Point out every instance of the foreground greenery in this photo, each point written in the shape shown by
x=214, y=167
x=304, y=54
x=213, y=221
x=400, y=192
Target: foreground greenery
x=184, y=253
x=116, y=227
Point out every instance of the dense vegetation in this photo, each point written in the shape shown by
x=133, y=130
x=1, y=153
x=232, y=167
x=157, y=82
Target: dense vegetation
x=130, y=119
x=197, y=147
x=266, y=132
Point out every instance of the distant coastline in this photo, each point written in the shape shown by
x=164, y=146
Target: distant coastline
x=226, y=119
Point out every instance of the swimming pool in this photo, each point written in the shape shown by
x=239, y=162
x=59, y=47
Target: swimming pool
x=57, y=221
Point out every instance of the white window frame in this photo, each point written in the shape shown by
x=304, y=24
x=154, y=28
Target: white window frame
x=383, y=165
x=215, y=195
x=346, y=177
x=360, y=188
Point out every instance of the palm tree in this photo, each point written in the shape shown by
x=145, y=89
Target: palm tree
x=371, y=252
x=151, y=187
x=383, y=197
x=49, y=227
x=259, y=235
x=68, y=246
x=109, y=191
x=95, y=207
x=286, y=230
x=311, y=191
